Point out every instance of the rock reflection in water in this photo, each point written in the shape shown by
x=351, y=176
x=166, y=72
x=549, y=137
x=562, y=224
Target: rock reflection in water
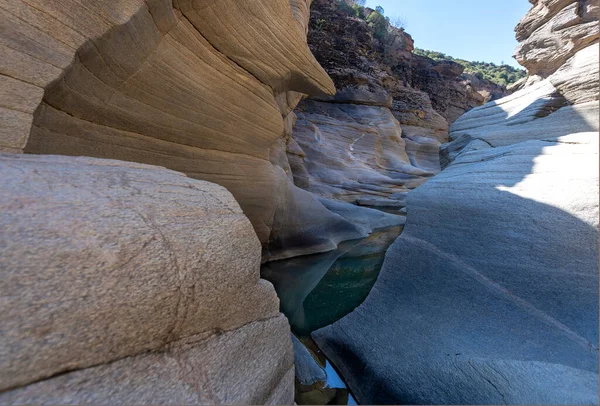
x=317, y=290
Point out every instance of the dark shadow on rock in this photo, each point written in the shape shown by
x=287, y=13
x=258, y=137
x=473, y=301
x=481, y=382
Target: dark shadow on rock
x=490, y=295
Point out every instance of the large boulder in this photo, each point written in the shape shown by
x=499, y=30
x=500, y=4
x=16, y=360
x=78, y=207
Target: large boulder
x=126, y=283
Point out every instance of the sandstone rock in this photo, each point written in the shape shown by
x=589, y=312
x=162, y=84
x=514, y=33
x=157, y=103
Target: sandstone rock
x=273, y=53
x=553, y=31
x=490, y=295
x=105, y=261
x=448, y=68
x=318, y=289
x=353, y=56
x=212, y=371
x=207, y=93
x=362, y=145
x=577, y=79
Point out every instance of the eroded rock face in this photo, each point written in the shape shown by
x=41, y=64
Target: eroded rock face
x=490, y=295
x=184, y=84
x=357, y=61
x=126, y=283
x=553, y=31
x=354, y=153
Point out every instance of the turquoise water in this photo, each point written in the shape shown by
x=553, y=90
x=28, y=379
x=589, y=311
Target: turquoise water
x=317, y=290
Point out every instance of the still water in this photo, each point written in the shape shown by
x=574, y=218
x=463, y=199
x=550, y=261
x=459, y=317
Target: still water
x=317, y=290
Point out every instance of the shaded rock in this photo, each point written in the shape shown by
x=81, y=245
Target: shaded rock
x=308, y=371
x=534, y=267
x=369, y=219
x=376, y=96
x=448, y=68
x=362, y=145
x=209, y=94
x=316, y=290
x=105, y=261
x=490, y=295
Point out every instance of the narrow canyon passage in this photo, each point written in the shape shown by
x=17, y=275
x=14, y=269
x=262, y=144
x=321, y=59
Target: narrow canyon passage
x=279, y=201
x=316, y=291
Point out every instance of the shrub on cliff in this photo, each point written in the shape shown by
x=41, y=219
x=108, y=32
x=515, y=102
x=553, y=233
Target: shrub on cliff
x=502, y=75
x=379, y=23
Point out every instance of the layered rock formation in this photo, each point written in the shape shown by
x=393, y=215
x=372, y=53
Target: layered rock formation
x=553, y=31
x=379, y=136
x=355, y=57
x=490, y=295
x=202, y=87
x=124, y=283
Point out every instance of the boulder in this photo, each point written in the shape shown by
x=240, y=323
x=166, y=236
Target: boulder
x=127, y=283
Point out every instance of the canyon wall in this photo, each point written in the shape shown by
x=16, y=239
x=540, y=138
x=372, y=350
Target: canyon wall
x=129, y=283
x=379, y=136
x=198, y=86
x=490, y=295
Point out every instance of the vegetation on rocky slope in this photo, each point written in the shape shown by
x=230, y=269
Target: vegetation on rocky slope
x=503, y=75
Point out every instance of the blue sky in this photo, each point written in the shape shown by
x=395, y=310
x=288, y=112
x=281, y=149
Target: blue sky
x=475, y=30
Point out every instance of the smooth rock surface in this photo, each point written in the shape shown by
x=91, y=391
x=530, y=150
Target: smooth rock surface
x=179, y=84
x=491, y=293
x=105, y=261
x=353, y=153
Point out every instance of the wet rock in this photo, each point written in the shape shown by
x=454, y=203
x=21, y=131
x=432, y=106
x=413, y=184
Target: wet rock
x=308, y=371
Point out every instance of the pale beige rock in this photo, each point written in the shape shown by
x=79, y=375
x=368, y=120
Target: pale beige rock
x=553, y=31
x=274, y=53
x=577, y=79
x=103, y=260
x=206, y=93
x=221, y=369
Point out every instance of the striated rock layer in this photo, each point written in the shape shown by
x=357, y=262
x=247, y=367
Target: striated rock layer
x=359, y=60
x=199, y=86
x=490, y=295
x=379, y=136
x=127, y=283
